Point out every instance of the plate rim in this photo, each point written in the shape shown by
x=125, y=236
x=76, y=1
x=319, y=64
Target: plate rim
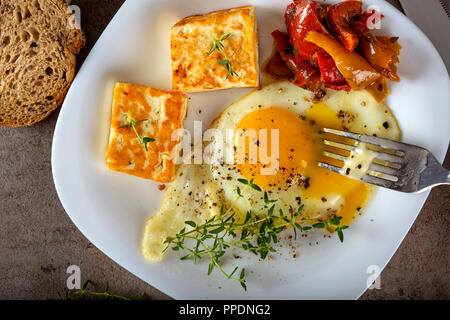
x=125, y=265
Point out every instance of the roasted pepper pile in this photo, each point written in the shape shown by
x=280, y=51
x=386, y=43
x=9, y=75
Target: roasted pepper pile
x=332, y=46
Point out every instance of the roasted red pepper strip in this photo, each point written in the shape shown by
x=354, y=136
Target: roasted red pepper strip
x=302, y=69
x=355, y=69
x=339, y=18
x=277, y=68
x=314, y=82
x=328, y=68
x=331, y=76
x=301, y=17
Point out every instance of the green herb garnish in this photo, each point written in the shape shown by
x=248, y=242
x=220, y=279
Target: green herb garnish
x=219, y=46
x=257, y=232
x=132, y=123
x=83, y=292
x=250, y=183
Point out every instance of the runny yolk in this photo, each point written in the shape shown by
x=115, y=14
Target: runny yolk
x=300, y=147
x=297, y=146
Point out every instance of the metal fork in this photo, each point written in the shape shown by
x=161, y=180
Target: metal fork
x=397, y=166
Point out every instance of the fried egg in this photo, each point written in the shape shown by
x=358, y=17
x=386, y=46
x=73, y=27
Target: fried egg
x=288, y=173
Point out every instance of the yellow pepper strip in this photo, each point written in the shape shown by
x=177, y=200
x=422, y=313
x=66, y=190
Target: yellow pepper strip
x=355, y=69
x=379, y=90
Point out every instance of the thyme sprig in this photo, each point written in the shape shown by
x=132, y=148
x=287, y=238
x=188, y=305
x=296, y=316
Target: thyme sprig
x=333, y=224
x=256, y=233
x=132, y=123
x=219, y=46
x=83, y=292
x=250, y=184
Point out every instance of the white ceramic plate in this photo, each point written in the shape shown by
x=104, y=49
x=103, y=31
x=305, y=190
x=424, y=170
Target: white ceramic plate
x=110, y=208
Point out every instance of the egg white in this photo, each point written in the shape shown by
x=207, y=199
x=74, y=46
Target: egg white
x=198, y=191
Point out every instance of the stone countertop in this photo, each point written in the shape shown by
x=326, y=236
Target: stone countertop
x=39, y=241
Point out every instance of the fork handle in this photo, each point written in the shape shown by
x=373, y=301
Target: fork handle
x=447, y=181
x=434, y=174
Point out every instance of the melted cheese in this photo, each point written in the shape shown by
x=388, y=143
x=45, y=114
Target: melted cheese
x=164, y=111
x=192, y=38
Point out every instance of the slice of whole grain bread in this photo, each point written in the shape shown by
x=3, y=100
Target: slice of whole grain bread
x=37, y=58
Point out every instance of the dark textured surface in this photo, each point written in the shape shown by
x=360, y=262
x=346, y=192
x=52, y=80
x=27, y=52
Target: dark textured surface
x=38, y=240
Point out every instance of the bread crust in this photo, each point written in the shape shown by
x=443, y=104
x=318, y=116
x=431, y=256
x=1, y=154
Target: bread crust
x=71, y=43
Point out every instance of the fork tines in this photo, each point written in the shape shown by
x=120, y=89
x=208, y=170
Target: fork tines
x=388, y=157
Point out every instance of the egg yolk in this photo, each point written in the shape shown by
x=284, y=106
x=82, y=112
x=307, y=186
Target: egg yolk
x=300, y=147
x=297, y=146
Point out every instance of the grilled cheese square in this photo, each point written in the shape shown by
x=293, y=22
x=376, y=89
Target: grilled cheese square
x=157, y=114
x=194, y=70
